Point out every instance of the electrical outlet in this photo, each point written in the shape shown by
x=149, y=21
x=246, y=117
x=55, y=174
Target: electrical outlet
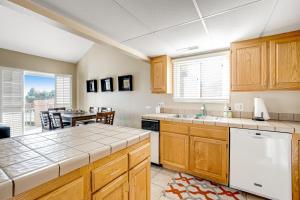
x=239, y=107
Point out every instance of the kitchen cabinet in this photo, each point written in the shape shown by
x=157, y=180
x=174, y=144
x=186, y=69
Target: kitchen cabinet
x=296, y=166
x=209, y=152
x=116, y=190
x=109, y=178
x=285, y=63
x=201, y=150
x=73, y=190
x=249, y=66
x=266, y=63
x=174, y=150
x=161, y=74
x=139, y=181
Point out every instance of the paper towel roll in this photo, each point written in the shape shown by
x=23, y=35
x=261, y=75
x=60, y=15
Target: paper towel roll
x=260, y=109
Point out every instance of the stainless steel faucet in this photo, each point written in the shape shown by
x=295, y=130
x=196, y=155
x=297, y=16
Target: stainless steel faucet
x=203, y=109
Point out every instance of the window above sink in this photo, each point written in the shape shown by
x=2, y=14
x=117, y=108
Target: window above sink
x=202, y=78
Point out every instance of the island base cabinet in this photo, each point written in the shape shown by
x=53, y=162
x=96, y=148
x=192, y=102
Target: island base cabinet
x=73, y=190
x=139, y=181
x=209, y=159
x=116, y=190
x=174, y=150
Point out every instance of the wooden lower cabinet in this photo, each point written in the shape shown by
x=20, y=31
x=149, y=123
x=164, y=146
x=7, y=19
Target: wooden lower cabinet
x=108, y=178
x=174, y=150
x=116, y=190
x=197, y=149
x=209, y=159
x=139, y=181
x=73, y=190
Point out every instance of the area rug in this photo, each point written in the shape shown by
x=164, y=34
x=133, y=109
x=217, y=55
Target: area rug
x=187, y=187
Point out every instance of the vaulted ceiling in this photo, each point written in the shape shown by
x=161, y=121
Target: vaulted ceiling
x=153, y=27
x=27, y=34
x=178, y=27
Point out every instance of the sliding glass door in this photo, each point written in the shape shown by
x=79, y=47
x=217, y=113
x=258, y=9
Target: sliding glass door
x=23, y=95
x=39, y=93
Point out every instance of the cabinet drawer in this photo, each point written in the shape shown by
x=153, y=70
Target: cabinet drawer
x=117, y=189
x=106, y=173
x=138, y=155
x=73, y=190
x=213, y=132
x=174, y=127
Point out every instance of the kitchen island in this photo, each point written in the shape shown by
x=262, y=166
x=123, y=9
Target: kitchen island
x=88, y=162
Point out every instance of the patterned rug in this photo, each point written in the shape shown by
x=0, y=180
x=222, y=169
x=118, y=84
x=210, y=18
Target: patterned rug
x=187, y=187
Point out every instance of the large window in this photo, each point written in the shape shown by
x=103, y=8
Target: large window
x=24, y=94
x=202, y=79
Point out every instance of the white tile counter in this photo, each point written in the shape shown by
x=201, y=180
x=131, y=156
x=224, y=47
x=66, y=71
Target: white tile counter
x=31, y=160
x=280, y=126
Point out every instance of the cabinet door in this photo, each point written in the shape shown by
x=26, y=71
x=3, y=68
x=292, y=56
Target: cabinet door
x=209, y=159
x=116, y=190
x=73, y=190
x=249, y=66
x=159, y=74
x=174, y=150
x=285, y=63
x=139, y=181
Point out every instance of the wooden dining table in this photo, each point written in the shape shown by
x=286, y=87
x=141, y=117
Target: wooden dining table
x=75, y=117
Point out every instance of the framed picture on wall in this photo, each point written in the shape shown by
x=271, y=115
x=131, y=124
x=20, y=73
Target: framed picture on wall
x=107, y=84
x=125, y=83
x=91, y=86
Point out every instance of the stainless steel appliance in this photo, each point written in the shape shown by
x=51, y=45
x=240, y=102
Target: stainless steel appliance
x=153, y=126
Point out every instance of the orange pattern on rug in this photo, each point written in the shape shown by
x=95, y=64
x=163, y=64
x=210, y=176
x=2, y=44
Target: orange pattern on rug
x=187, y=187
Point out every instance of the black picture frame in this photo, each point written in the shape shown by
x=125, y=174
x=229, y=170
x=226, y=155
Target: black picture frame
x=125, y=83
x=107, y=84
x=91, y=86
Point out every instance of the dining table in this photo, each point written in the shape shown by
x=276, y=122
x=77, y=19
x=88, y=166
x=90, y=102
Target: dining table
x=74, y=117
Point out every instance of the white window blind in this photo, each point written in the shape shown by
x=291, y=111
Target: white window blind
x=202, y=79
x=12, y=101
x=63, y=91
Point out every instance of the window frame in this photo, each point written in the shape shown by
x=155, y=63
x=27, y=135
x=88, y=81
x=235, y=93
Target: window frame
x=202, y=100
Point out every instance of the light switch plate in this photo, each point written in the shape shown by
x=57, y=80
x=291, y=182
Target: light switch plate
x=239, y=107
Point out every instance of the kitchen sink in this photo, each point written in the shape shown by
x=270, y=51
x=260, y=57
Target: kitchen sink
x=184, y=116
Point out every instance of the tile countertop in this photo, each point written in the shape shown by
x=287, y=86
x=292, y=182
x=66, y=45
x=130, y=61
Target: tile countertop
x=31, y=160
x=280, y=126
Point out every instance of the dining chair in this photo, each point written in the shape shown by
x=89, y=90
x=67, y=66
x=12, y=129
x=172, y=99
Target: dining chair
x=57, y=121
x=105, y=117
x=57, y=109
x=45, y=121
x=105, y=109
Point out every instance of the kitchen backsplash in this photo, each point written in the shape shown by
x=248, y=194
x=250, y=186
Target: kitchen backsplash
x=247, y=115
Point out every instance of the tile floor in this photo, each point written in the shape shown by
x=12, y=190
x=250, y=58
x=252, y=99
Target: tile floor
x=160, y=178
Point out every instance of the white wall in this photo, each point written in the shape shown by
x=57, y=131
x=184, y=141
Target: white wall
x=103, y=61
x=38, y=64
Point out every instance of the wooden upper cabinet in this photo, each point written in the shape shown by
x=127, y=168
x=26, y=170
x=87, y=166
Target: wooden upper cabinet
x=285, y=63
x=161, y=74
x=249, y=66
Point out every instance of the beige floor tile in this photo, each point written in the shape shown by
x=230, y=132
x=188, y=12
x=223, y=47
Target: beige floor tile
x=156, y=191
x=253, y=197
x=161, y=179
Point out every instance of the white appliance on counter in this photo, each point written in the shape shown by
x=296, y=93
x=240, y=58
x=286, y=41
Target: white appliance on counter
x=153, y=126
x=260, y=110
x=260, y=163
